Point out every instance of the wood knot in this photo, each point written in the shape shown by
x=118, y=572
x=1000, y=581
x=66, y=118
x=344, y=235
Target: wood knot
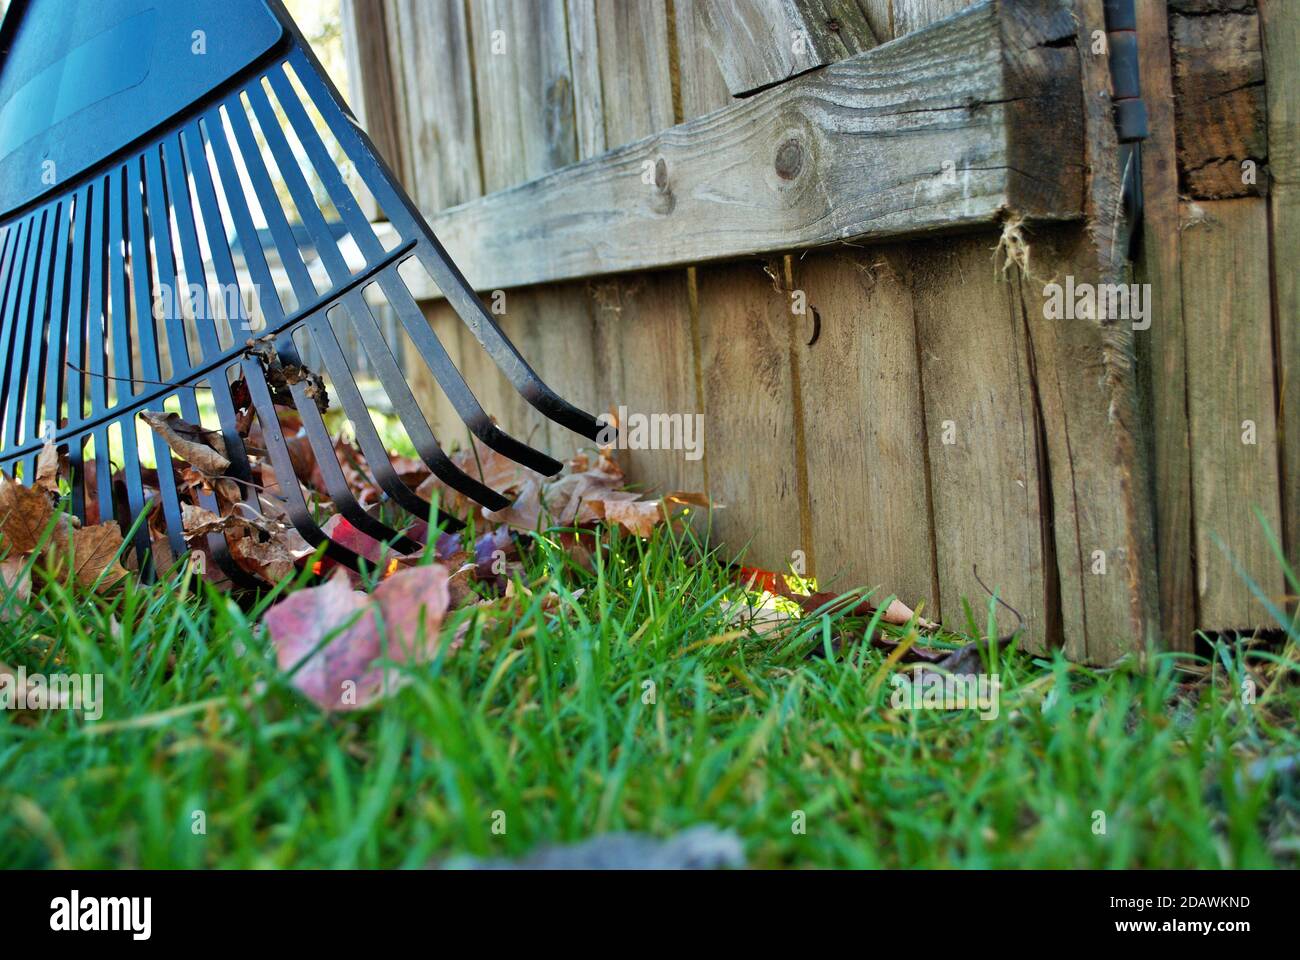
x=789, y=159
x=661, y=173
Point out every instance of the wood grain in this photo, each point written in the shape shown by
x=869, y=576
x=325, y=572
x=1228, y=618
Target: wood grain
x=758, y=43
x=371, y=92
x=523, y=88
x=1219, y=98
x=1163, y=347
x=982, y=438
x=855, y=150
x=865, y=427
x=700, y=81
x=435, y=96
x=1230, y=381
x=1282, y=65
x=750, y=432
x=437, y=154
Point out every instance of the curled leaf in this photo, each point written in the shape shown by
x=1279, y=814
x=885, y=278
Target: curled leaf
x=201, y=448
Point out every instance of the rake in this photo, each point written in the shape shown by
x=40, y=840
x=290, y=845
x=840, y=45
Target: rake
x=151, y=153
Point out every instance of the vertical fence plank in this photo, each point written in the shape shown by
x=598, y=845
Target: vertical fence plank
x=698, y=78
x=746, y=331
x=643, y=321
x=524, y=91
x=864, y=418
x=1165, y=341
x=1281, y=30
x=428, y=44
x=1226, y=308
x=588, y=98
x=371, y=89
x=982, y=436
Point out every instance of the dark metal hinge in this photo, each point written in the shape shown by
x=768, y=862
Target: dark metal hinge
x=1130, y=110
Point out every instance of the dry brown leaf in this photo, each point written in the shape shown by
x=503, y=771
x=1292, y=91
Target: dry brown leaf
x=199, y=522
x=273, y=560
x=638, y=517
x=94, y=552
x=24, y=515
x=200, y=448
x=50, y=465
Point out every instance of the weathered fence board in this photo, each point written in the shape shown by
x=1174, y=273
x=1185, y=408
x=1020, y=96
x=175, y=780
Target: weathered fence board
x=1231, y=406
x=1282, y=66
x=855, y=150
x=746, y=331
x=982, y=436
x=1164, y=344
x=1219, y=98
x=864, y=420
x=759, y=43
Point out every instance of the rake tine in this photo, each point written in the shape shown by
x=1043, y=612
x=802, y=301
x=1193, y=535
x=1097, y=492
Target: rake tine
x=354, y=405
x=177, y=347
x=15, y=388
x=14, y=269
x=290, y=493
x=76, y=321
x=317, y=435
x=404, y=216
x=453, y=384
x=42, y=325
x=327, y=460
x=120, y=320
x=412, y=419
x=58, y=318
x=197, y=166
x=139, y=207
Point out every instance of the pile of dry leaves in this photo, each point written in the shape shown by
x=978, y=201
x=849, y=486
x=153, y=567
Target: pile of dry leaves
x=337, y=626
x=32, y=527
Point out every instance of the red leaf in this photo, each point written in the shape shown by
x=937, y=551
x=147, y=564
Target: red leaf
x=347, y=672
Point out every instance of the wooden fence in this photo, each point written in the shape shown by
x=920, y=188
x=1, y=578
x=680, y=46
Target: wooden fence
x=832, y=228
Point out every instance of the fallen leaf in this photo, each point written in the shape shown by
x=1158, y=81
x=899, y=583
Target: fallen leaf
x=638, y=517
x=94, y=553
x=343, y=674
x=762, y=618
x=50, y=465
x=24, y=515
x=15, y=578
x=199, y=522
x=273, y=560
x=202, y=449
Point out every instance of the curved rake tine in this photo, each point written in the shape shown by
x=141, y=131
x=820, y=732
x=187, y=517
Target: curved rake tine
x=354, y=405
x=453, y=384
x=426, y=341
x=412, y=419
x=403, y=215
x=336, y=484
x=290, y=495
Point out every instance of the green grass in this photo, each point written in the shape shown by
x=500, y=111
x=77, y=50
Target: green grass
x=544, y=719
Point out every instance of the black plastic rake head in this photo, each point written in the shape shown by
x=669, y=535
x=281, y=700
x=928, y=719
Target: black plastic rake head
x=158, y=160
